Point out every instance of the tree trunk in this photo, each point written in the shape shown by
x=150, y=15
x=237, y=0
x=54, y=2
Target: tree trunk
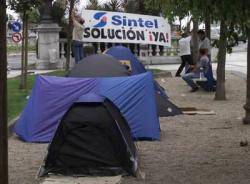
x=3, y=97
x=220, y=88
x=26, y=50
x=141, y=7
x=69, y=34
x=21, y=86
x=180, y=25
x=246, y=119
x=188, y=27
x=195, y=41
x=208, y=25
x=208, y=28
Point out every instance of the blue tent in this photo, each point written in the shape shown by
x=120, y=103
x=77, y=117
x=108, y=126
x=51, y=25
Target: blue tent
x=122, y=53
x=51, y=97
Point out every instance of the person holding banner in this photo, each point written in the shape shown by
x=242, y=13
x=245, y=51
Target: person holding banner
x=77, y=35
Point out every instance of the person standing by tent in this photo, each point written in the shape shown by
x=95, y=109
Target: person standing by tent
x=78, y=29
x=185, y=53
x=204, y=42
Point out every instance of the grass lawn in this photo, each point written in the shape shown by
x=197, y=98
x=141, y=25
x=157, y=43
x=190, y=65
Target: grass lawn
x=17, y=98
x=18, y=48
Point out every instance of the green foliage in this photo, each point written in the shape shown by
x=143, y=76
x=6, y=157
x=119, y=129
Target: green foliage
x=113, y=5
x=18, y=48
x=34, y=16
x=22, y=6
x=58, y=11
x=171, y=8
x=10, y=17
x=236, y=13
x=93, y=5
x=141, y=7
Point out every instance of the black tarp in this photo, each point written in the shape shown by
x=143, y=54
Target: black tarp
x=99, y=65
x=92, y=139
x=165, y=107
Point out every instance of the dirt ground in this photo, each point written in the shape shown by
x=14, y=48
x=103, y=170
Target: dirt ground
x=197, y=149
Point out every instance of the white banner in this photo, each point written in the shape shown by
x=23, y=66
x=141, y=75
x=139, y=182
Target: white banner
x=117, y=27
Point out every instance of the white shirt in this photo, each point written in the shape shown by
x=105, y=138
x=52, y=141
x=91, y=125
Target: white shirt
x=205, y=44
x=77, y=31
x=184, y=45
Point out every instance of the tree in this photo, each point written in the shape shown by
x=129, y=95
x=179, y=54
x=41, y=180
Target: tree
x=113, y=5
x=93, y=5
x=71, y=4
x=220, y=87
x=244, y=22
x=142, y=7
x=182, y=8
x=226, y=12
x=58, y=11
x=33, y=16
x=3, y=97
x=24, y=7
x=246, y=119
x=10, y=17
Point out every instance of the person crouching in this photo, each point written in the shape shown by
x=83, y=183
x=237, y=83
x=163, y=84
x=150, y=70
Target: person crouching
x=201, y=67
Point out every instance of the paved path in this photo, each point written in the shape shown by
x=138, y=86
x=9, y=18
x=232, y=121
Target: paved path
x=14, y=60
x=15, y=73
x=237, y=61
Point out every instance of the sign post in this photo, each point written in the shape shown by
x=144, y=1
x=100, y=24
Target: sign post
x=16, y=37
x=16, y=27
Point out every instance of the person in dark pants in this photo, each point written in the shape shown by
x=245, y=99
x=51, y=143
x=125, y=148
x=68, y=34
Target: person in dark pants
x=185, y=53
x=77, y=43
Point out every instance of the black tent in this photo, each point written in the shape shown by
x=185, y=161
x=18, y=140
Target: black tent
x=99, y=65
x=92, y=139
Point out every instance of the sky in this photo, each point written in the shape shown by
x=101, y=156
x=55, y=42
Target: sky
x=83, y=4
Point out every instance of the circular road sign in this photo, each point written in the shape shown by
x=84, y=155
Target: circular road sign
x=16, y=27
x=16, y=37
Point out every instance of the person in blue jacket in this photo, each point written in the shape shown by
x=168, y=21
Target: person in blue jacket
x=201, y=67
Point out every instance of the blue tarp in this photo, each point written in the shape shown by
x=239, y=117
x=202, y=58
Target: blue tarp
x=123, y=53
x=51, y=97
x=90, y=97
